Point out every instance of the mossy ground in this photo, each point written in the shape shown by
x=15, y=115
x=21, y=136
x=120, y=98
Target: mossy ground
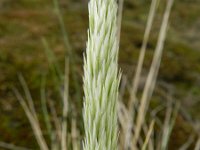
x=24, y=22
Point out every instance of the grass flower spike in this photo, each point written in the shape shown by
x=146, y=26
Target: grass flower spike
x=101, y=77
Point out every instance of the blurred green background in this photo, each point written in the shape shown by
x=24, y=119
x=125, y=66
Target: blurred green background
x=23, y=23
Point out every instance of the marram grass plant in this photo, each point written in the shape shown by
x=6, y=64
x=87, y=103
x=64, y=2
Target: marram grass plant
x=101, y=77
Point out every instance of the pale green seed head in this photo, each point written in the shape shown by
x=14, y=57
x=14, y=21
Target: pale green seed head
x=101, y=78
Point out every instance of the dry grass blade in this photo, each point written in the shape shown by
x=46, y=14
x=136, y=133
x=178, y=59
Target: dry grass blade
x=33, y=121
x=65, y=107
x=197, y=146
x=122, y=118
x=54, y=66
x=75, y=135
x=144, y=46
x=146, y=131
x=62, y=27
x=129, y=124
x=122, y=87
x=69, y=49
x=12, y=147
x=119, y=19
x=45, y=110
x=151, y=79
x=56, y=120
x=166, y=127
x=138, y=71
x=28, y=95
x=170, y=117
x=148, y=136
x=186, y=145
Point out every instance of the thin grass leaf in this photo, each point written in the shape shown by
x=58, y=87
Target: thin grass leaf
x=12, y=146
x=28, y=95
x=56, y=121
x=69, y=51
x=119, y=19
x=65, y=107
x=75, y=135
x=187, y=144
x=33, y=121
x=63, y=29
x=136, y=80
x=151, y=17
x=151, y=79
x=45, y=110
x=148, y=136
x=197, y=146
x=55, y=68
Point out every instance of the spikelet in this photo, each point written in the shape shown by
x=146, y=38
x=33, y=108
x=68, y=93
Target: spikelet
x=101, y=77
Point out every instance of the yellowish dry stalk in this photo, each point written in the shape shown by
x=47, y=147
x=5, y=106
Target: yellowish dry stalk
x=133, y=96
x=148, y=136
x=33, y=121
x=65, y=107
x=151, y=79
